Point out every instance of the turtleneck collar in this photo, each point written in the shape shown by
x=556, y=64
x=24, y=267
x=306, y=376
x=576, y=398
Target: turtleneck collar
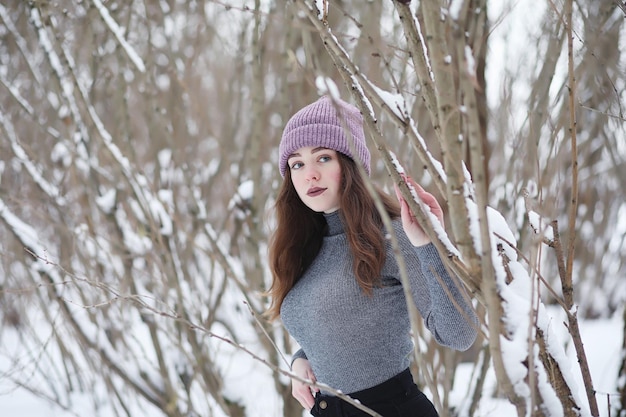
x=335, y=225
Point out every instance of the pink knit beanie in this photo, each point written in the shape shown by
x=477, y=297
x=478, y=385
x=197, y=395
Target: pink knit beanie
x=318, y=124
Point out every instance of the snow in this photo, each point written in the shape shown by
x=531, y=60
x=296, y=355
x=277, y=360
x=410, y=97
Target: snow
x=135, y=243
x=454, y=9
x=241, y=199
x=119, y=34
x=603, y=340
x=247, y=379
x=106, y=201
x=326, y=85
x=414, y=6
x=246, y=190
x=7, y=21
x=356, y=85
x=61, y=154
x=165, y=157
x=394, y=101
x=27, y=233
x=471, y=62
x=48, y=188
x=322, y=8
x=14, y=91
x=540, y=225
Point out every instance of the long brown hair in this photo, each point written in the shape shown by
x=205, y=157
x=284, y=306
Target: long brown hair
x=300, y=231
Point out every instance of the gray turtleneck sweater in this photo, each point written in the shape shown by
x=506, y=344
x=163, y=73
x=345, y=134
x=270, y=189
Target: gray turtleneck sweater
x=354, y=341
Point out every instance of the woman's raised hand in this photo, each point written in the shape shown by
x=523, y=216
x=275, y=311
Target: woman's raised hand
x=411, y=226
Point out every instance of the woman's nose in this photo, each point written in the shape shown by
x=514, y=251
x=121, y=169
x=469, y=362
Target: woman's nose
x=312, y=174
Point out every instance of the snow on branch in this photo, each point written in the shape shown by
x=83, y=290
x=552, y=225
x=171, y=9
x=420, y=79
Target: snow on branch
x=49, y=189
x=326, y=85
x=24, y=232
x=119, y=35
x=67, y=87
x=16, y=95
x=148, y=200
x=20, y=42
x=322, y=9
x=432, y=220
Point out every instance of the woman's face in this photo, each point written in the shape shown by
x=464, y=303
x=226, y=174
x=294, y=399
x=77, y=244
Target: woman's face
x=316, y=176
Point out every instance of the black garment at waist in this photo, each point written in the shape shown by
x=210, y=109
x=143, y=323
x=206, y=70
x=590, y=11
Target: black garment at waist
x=389, y=399
x=399, y=383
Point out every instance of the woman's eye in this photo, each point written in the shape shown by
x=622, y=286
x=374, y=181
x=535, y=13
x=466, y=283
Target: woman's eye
x=325, y=158
x=296, y=165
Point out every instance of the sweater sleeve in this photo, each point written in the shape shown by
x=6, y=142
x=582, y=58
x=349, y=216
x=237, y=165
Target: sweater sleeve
x=450, y=327
x=299, y=354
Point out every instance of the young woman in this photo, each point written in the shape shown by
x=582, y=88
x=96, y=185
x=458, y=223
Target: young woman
x=336, y=284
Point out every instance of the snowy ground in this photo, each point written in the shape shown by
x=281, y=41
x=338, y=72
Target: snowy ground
x=603, y=343
x=602, y=339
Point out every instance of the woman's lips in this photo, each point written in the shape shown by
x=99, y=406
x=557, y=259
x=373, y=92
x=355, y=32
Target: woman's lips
x=315, y=191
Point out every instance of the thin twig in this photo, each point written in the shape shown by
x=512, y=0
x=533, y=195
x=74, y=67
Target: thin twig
x=256, y=319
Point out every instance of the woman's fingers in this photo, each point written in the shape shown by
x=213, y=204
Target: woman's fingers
x=426, y=197
x=301, y=391
x=404, y=207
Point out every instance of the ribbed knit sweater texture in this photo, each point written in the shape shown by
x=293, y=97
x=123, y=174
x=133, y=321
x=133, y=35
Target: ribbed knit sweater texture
x=354, y=341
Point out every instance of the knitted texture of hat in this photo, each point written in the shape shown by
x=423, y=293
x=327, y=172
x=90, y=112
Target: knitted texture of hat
x=319, y=124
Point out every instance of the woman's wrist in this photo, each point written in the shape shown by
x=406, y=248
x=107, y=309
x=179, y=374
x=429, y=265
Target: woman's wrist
x=419, y=242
